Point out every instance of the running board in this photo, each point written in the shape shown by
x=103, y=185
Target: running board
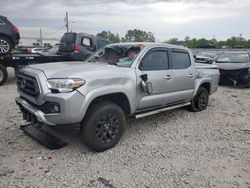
x=44, y=135
x=149, y=113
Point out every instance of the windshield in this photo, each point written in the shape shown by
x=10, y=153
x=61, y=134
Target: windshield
x=119, y=54
x=233, y=58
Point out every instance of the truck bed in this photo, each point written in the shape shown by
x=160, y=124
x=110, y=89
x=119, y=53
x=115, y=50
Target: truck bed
x=205, y=66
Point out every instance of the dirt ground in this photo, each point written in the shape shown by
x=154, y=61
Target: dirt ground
x=173, y=149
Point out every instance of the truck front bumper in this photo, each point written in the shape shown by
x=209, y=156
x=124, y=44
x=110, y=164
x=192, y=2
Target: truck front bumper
x=31, y=113
x=70, y=105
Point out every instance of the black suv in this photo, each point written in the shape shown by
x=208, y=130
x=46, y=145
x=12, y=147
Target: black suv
x=79, y=46
x=9, y=36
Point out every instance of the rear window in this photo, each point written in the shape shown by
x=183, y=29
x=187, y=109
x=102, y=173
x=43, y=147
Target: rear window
x=233, y=58
x=86, y=42
x=68, y=38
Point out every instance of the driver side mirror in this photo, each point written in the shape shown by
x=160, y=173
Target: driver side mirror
x=146, y=85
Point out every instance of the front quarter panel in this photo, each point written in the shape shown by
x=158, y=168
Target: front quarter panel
x=109, y=83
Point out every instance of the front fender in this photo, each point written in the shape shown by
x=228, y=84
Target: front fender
x=105, y=90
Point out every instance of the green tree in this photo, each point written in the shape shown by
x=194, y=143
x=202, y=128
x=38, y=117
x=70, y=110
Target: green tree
x=137, y=35
x=173, y=41
x=115, y=38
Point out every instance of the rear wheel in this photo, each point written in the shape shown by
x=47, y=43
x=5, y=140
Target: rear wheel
x=3, y=74
x=103, y=126
x=5, y=45
x=200, y=101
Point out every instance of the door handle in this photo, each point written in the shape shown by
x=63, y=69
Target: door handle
x=191, y=75
x=168, y=77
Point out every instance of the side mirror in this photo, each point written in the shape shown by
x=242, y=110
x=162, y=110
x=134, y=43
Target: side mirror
x=145, y=85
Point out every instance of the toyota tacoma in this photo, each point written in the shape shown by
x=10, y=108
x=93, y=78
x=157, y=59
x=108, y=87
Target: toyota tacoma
x=120, y=81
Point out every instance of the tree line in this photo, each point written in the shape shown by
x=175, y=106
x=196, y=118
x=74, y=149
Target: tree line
x=137, y=35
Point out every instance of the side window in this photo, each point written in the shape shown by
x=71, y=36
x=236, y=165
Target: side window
x=1, y=22
x=181, y=60
x=155, y=60
x=86, y=42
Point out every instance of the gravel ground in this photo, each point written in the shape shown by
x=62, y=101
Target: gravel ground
x=173, y=149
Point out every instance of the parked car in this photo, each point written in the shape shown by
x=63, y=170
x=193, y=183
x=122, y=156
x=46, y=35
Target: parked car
x=234, y=67
x=79, y=46
x=206, y=56
x=9, y=36
x=119, y=81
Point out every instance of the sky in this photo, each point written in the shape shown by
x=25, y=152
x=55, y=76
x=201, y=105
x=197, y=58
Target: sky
x=166, y=19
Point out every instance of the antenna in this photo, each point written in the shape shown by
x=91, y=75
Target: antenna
x=41, y=37
x=67, y=22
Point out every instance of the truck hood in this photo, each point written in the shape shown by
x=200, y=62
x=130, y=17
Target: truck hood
x=72, y=69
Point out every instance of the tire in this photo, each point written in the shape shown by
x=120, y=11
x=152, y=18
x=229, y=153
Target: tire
x=103, y=126
x=17, y=69
x=5, y=46
x=3, y=74
x=200, y=101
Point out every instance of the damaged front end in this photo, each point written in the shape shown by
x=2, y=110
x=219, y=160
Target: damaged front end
x=238, y=77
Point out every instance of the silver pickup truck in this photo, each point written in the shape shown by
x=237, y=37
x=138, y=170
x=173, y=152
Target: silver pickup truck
x=120, y=81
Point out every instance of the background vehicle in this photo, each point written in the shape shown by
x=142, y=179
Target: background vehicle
x=9, y=36
x=68, y=51
x=102, y=93
x=79, y=46
x=20, y=60
x=234, y=67
x=206, y=56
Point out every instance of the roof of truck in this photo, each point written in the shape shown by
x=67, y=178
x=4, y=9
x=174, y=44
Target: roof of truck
x=144, y=44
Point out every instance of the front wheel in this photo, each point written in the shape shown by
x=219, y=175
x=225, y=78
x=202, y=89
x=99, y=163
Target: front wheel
x=103, y=126
x=200, y=101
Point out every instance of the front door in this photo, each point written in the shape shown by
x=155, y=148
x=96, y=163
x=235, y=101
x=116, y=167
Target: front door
x=155, y=64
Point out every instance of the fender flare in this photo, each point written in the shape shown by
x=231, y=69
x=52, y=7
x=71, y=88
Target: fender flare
x=201, y=81
x=101, y=91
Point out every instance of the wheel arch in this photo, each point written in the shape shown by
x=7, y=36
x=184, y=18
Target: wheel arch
x=118, y=97
x=8, y=37
x=206, y=83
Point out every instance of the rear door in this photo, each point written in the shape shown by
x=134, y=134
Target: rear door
x=183, y=74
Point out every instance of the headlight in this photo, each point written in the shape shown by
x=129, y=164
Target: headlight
x=65, y=85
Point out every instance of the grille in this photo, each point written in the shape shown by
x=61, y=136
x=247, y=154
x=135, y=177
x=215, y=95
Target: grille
x=28, y=84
